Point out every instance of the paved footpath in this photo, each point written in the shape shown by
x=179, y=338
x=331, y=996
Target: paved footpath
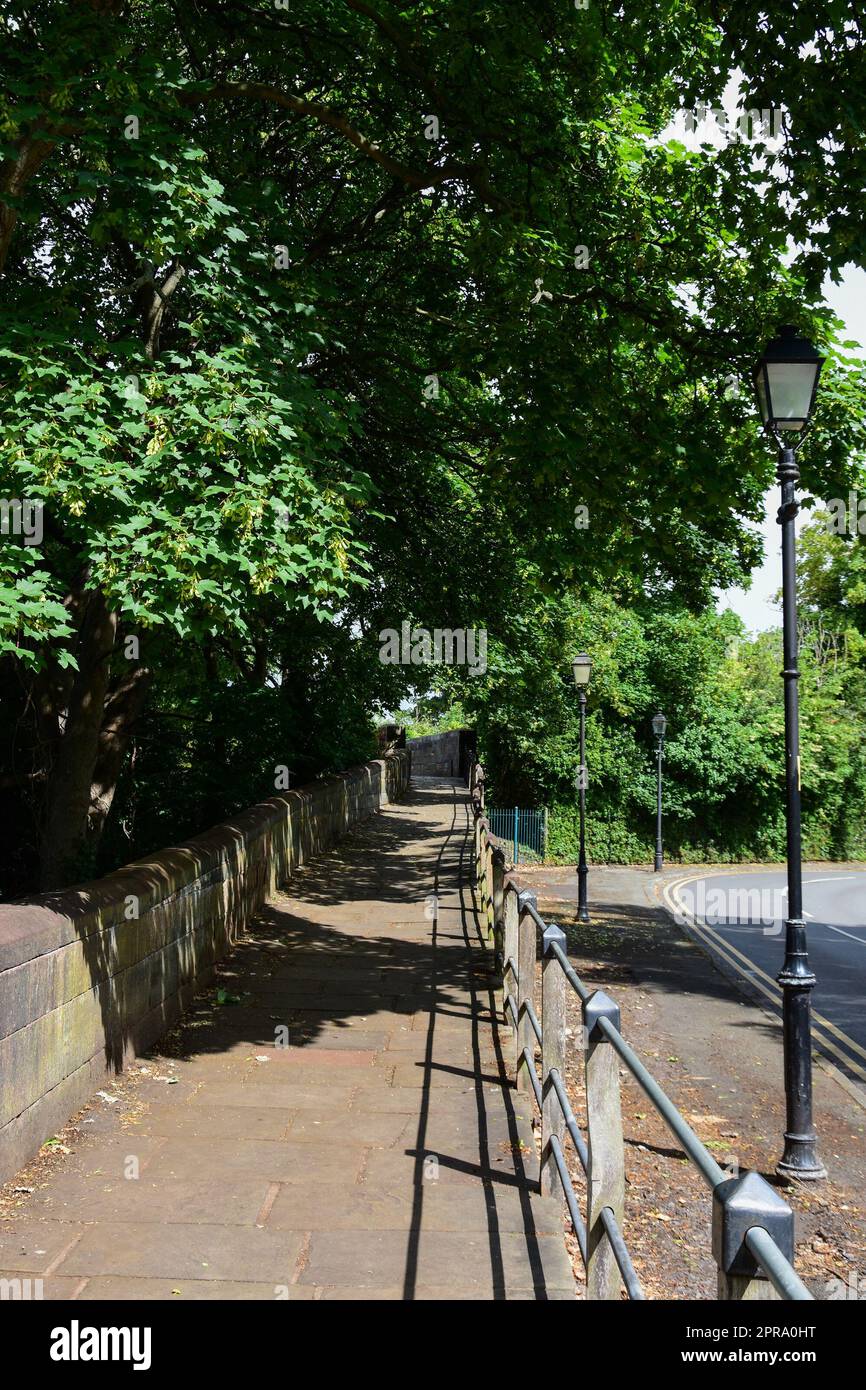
x=381, y=1154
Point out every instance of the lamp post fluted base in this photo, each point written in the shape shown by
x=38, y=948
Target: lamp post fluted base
x=800, y=1159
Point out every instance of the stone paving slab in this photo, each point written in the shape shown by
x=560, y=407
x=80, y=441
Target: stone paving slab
x=373, y=1128
x=192, y=1290
x=486, y=1262
x=209, y=1120
x=446, y=1293
x=392, y=1170
x=229, y=1200
x=255, y=1159
x=382, y=1155
x=284, y=1093
x=174, y=1250
x=32, y=1246
x=444, y=1208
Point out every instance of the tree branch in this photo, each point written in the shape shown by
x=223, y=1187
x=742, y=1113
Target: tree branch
x=430, y=176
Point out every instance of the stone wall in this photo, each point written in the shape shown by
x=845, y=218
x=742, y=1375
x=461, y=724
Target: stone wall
x=92, y=975
x=441, y=755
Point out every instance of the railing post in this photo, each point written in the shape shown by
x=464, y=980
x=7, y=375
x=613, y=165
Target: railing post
x=510, y=951
x=738, y=1204
x=488, y=891
x=498, y=862
x=553, y=983
x=526, y=950
x=605, y=1179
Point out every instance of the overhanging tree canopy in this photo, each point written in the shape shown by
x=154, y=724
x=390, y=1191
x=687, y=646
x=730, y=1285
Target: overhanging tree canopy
x=286, y=287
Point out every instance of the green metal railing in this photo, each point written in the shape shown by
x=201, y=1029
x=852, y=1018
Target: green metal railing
x=522, y=831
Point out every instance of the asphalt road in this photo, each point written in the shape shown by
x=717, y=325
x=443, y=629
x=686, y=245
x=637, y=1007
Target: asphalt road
x=740, y=916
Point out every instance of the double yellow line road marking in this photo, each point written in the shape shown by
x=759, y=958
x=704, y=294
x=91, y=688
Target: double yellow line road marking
x=823, y=1031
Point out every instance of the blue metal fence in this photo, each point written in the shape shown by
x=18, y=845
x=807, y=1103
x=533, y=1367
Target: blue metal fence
x=521, y=830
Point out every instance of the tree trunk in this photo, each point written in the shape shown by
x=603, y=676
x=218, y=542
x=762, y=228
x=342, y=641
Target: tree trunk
x=71, y=779
x=123, y=705
x=15, y=174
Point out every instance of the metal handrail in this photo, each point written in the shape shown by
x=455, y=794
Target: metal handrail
x=577, y=1138
x=571, y=975
x=533, y=1076
x=703, y=1161
x=782, y=1276
x=608, y=1216
x=758, y=1241
x=620, y=1253
x=533, y=1020
x=577, y=1221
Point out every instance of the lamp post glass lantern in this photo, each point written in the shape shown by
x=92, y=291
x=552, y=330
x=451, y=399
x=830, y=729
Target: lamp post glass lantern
x=581, y=668
x=786, y=380
x=659, y=726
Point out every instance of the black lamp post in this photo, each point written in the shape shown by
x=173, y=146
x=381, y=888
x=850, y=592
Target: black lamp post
x=659, y=726
x=581, y=667
x=786, y=379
